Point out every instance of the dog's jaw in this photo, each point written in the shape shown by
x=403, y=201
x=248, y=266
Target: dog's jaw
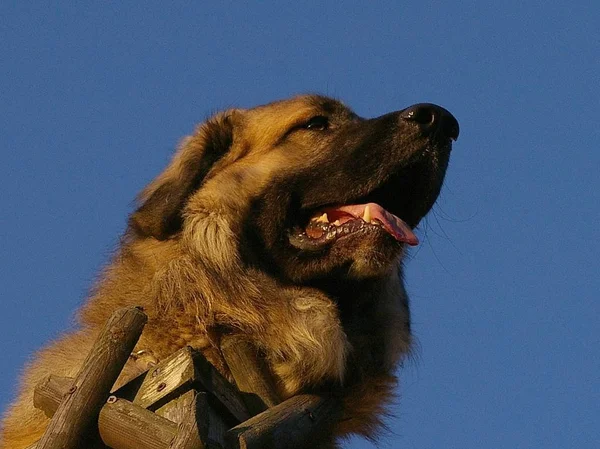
x=336, y=223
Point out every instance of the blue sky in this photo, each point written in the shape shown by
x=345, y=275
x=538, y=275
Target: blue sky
x=504, y=287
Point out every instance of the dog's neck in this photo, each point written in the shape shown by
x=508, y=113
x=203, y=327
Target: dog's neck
x=365, y=306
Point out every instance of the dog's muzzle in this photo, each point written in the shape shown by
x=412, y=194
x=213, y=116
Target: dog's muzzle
x=433, y=119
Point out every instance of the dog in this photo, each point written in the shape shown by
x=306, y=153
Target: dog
x=286, y=223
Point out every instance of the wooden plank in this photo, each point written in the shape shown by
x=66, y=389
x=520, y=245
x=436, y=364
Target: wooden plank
x=217, y=429
x=226, y=394
x=210, y=422
x=130, y=420
x=49, y=393
x=296, y=423
x=178, y=373
x=77, y=415
x=169, y=375
x=211, y=426
x=124, y=425
x=193, y=425
x=200, y=423
x=249, y=372
x=178, y=409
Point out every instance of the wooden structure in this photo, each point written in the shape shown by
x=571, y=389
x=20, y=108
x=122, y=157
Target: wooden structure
x=180, y=403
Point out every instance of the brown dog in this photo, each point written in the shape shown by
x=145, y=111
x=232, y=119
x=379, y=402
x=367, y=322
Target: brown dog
x=286, y=223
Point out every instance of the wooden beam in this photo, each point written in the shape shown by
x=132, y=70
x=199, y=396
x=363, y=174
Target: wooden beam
x=226, y=394
x=119, y=426
x=152, y=386
x=77, y=414
x=124, y=425
x=193, y=426
x=249, y=372
x=295, y=423
x=183, y=370
x=49, y=393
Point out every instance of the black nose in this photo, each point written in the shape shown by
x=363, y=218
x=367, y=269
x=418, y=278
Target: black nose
x=432, y=118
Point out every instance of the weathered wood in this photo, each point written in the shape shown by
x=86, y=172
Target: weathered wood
x=249, y=372
x=124, y=425
x=77, y=414
x=178, y=373
x=225, y=393
x=295, y=423
x=211, y=426
x=49, y=393
x=192, y=432
x=160, y=381
x=217, y=428
x=178, y=408
x=199, y=421
x=182, y=410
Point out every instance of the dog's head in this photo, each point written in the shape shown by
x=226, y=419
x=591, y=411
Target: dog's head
x=303, y=188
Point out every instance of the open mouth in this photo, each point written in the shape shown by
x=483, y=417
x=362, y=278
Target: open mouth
x=330, y=224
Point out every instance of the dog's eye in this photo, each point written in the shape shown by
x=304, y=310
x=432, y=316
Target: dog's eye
x=317, y=123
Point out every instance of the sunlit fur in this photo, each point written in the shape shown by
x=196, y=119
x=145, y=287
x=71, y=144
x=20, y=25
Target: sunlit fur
x=205, y=253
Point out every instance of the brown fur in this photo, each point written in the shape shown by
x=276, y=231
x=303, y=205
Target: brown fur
x=208, y=252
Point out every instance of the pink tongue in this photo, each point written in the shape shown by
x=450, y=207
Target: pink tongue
x=392, y=224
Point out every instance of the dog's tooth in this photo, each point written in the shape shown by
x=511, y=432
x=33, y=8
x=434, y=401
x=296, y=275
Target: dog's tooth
x=323, y=218
x=367, y=214
x=337, y=223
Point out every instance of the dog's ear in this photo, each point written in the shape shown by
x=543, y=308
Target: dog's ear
x=162, y=201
